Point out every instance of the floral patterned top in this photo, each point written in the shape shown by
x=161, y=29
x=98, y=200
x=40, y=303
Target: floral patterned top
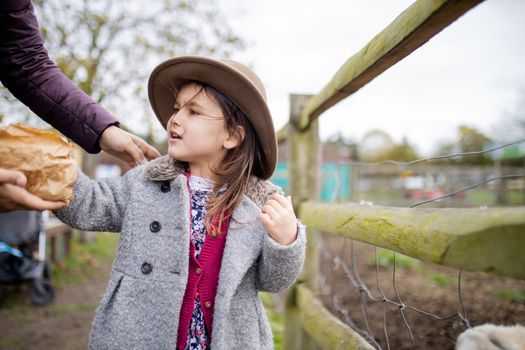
x=200, y=192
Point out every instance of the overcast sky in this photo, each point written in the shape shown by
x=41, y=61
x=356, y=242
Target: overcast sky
x=471, y=73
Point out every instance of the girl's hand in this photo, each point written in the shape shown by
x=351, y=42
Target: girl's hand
x=278, y=217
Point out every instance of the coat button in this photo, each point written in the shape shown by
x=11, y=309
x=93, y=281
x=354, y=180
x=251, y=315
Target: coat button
x=146, y=268
x=165, y=187
x=207, y=304
x=198, y=270
x=154, y=226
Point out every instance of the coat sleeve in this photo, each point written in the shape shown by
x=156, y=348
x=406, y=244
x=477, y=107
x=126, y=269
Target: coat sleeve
x=29, y=74
x=99, y=205
x=280, y=265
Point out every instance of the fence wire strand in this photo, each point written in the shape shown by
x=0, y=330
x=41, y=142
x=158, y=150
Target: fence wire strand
x=486, y=181
x=365, y=294
x=428, y=159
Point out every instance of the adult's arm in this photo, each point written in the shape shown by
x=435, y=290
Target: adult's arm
x=28, y=72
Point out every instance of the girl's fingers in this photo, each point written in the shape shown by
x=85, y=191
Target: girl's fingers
x=283, y=201
x=275, y=208
x=267, y=209
x=265, y=218
x=280, y=202
x=275, y=205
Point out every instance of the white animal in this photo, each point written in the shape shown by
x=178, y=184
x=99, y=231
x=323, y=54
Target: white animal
x=492, y=337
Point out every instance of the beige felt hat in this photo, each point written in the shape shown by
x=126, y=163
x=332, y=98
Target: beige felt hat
x=231, y=78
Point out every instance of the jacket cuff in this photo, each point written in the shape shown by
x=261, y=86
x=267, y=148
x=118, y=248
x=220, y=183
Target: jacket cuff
x=99, y=130
x=299, y=239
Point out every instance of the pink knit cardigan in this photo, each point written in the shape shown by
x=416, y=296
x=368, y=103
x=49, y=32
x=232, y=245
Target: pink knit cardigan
x=203, y=279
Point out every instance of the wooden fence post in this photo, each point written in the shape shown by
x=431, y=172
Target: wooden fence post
x=304, y=156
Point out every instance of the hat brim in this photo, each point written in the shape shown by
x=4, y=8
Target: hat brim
x=169, y=76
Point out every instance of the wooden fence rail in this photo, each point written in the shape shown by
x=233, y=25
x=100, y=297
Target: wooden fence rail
x=489, y=240
x=324, y=328
x=481, y=240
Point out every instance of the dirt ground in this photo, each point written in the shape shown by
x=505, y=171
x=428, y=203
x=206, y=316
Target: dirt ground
x=63, y=324
x=428, y=287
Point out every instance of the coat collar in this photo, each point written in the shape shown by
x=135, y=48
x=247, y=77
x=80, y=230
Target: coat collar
x=166, y=168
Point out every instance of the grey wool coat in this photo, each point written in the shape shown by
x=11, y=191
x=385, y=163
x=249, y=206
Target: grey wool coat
x=140, y=309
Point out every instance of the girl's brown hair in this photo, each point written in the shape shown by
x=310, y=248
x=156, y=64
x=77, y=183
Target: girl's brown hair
x=238, y=164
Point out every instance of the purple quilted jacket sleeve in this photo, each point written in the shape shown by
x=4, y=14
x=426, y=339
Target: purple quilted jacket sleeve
x=30, y=75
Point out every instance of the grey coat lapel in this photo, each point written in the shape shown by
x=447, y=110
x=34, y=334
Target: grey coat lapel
x=243, y=245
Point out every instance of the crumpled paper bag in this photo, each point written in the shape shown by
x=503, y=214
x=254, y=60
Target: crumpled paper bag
x=43, y=156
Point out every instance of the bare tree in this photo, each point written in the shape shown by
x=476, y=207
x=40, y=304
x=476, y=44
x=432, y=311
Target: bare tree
x=109, y=48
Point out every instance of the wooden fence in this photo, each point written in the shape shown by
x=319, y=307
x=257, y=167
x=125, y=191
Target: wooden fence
x=489, y=240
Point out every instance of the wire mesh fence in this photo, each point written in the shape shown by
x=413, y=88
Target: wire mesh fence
x=378, y=293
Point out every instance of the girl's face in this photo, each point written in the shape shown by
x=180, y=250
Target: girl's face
x=196, y=131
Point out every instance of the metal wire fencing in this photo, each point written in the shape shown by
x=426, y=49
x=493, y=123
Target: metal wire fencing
x=349, y=264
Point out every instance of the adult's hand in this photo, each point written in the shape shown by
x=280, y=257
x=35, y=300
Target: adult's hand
x=128, y=147
x=13, y=195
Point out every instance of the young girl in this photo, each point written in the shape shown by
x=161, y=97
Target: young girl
x=202, y=230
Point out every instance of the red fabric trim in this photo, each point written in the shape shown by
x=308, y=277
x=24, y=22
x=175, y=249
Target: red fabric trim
x=206, y=283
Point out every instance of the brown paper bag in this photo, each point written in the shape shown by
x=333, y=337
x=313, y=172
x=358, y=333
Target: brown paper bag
x=43, y=156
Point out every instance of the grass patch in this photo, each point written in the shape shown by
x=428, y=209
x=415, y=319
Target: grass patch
x=85, y=259
x=10, y=342
x=442, y=280
x=488, y=197
x=480, y=197
x=385, y=258
x=267, y=300
x=515, y=197
x=277, y=324
x=276, y=320
x=510, y=294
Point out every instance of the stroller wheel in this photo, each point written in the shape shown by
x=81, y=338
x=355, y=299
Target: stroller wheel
x=40, y=291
